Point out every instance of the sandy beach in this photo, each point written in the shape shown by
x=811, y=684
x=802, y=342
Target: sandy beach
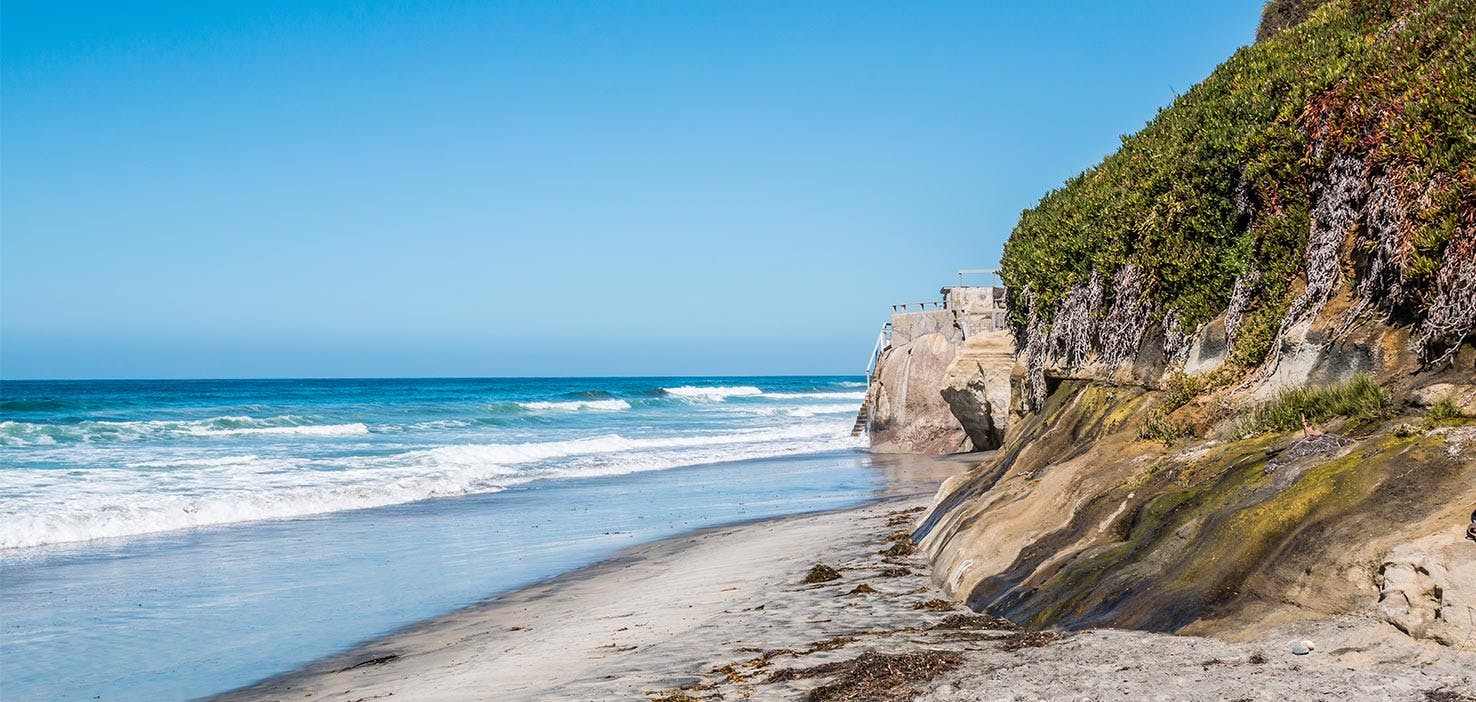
x=742, y=612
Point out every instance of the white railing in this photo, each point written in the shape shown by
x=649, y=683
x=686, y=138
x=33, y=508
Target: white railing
x=883, y=340
x=993, y=274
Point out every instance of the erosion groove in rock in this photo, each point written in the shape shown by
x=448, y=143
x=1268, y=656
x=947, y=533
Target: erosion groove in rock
x=908, y=414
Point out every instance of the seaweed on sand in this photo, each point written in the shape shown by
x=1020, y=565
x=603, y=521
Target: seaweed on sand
x=820, y=573
x=877, y=676
x=1440, y=694
x=381, y=660
x=975, y=621
x=678, y=695
x=831, y=644
x=899, y=549
x=1029, y=639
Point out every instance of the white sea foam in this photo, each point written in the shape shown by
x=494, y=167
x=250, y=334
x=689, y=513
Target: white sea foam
x=799, y=410
x=46, y=506
x=714, y=393
x=196, y=462
x=304, y=430
x=479, y=454
x=577, y=405
x=14, y=433
x=435, y=424
x=816, y=395
x=106, y=503
x=720, y=393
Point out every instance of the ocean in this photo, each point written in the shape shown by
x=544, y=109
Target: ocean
x=172, y=539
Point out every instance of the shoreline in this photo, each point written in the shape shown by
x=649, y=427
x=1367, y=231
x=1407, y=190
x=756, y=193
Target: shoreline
x=499, y=606
x=908, y=478
x=725, y=612
x=377, y=661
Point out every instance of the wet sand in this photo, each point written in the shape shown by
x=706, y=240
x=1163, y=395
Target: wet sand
x=725, y=613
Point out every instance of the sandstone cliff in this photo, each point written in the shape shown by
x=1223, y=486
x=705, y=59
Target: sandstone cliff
x=1080, y=521
x=936, y=394
x=908, y=414
x=1245, y=374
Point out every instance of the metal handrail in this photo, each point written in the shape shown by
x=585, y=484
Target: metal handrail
x=883, y=340
x=921, y=306
x=993, y=274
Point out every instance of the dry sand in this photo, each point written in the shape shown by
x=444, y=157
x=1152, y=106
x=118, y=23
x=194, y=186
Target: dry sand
x=723, y=614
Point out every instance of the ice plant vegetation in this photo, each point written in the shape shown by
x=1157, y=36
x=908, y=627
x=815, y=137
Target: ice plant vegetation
x=1336, y=153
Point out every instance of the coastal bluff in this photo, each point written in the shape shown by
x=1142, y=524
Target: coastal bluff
x=940, y=381
x=1235, y=387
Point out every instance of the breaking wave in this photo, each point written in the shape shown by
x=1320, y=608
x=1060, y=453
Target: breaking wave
x=13, y=433
x=577, y=405
x=816, y=395
x=712, y=394
x=180, y=492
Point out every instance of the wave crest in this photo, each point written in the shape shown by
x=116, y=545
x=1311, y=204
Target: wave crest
x=61, y=506
x=717, y=393
x=576, y=406
x=14, y=433
x=816, y=395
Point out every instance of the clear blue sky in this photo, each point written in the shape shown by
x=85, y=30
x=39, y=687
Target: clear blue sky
x=256, y=189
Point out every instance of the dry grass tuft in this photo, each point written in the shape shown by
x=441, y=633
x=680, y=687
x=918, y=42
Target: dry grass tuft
x=1359, y=398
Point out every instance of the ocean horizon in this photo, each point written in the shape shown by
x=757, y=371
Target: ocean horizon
x=167, y=539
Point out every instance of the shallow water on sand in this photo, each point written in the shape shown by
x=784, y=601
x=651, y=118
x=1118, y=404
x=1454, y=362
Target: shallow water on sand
x=251, y=528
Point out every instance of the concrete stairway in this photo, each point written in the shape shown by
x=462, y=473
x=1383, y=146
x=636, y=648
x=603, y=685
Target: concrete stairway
x=863, y=416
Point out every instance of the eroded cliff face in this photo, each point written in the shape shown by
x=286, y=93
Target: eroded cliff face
x=937, y=394
x=1080, y=521
x=976, y=387
x=908, y=414
x=1245, y=389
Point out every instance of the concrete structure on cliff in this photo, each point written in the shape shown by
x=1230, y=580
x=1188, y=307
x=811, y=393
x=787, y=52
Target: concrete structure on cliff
x=964, y=311
x=939, y=376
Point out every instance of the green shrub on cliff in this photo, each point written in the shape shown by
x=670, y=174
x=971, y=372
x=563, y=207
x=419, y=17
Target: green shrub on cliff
x=1359, y=398
x=1158, y=427
x=1284, y=14
x=1443, y=409
x=1218, y=189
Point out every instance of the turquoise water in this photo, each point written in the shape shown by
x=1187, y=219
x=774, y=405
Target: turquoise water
x=171, y=539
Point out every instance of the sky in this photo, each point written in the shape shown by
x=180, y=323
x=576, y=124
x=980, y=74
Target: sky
x=362, y=189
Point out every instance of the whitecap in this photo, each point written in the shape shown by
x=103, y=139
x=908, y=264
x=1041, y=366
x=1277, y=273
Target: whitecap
x=29, y=434
x=576, y=406
x=816, y=395
x=712, y=394
x=58, y=506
